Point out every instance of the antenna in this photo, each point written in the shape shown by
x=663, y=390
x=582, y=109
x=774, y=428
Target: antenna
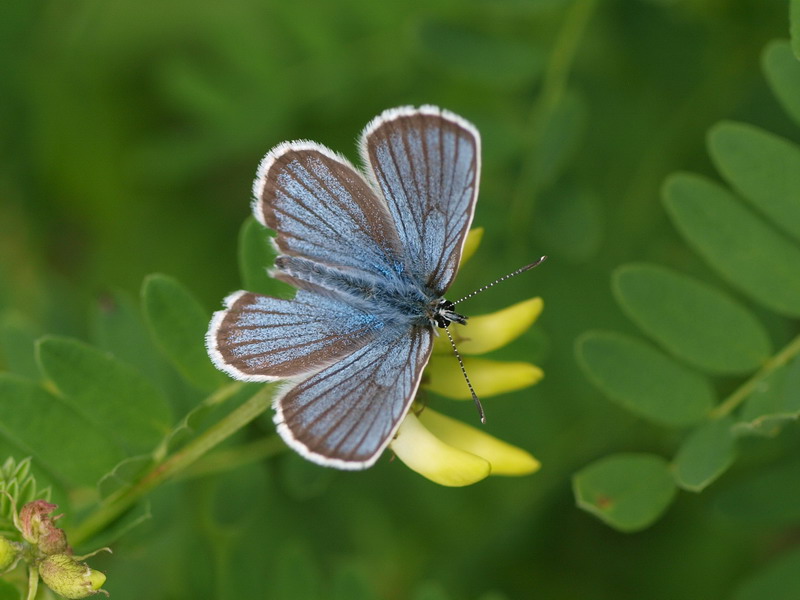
x=453, y=343
x=464, y=372
x=503, y=278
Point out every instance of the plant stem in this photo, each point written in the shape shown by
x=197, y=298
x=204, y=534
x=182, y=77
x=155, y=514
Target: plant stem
x=563, y=55
x=733, y=401
x=225, y=459
x=33, y=582
x=554, y=82
x=117, y=503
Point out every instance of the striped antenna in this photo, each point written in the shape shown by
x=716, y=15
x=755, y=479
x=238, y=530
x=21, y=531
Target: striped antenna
x=503, y=278
x=453, y=343
x=464, y=372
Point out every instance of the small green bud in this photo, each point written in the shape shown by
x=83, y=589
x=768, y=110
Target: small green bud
x=69, y=578
x=9, y=553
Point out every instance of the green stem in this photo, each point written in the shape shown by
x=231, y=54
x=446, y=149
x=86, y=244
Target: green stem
x=225, y=459
x=733, y=401
x=563, y=55
x=33, y=582
x=116, y=504
x=554, y=82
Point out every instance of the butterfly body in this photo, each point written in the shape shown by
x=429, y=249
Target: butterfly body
x=393, y=299
x=371, y=254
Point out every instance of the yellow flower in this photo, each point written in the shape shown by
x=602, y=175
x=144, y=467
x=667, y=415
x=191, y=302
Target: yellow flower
x=451, y=453
x=482, y=334
x=445, y=450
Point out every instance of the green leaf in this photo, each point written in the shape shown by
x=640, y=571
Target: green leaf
x=774, y=402
x=475, y=55
x=705, y=455
x=763, y=168
x=110, y=394
x=124, y=474
x=69, y=446
x=692, y=320
x=627, y=491
x=178, y=324
x=779, y=580
x=794, y=26
x=768, y=498
x=17, y=338
x=750, y=254
x=643, y=380
x=782, y=70
x=256, y=255
x=21, y=485
x=117, y=327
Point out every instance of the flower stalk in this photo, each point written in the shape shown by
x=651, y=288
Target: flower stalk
x=117, y=503
x=743, y=392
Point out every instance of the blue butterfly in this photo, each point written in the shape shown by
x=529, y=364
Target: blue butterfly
x=371, y=254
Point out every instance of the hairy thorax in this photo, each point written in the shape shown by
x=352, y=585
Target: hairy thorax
x=392, y=296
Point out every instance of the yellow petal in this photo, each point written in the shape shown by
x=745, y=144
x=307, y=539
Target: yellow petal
x=474, y=238
x=426, y=454
x=488, y=377
x=504, y=458
x=484, y=333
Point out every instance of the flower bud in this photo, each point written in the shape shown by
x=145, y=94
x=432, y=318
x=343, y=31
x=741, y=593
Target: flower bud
x=69, y=578
x=9, y=553
x=33, y=516
x=40, y=529
x=53, y=541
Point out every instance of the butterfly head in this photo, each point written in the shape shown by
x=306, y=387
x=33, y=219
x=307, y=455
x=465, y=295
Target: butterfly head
x=444, y=314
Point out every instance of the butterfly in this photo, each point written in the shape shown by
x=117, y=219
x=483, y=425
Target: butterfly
x=371, y=253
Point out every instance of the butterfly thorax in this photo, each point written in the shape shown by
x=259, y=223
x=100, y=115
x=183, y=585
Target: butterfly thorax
x=393, y=297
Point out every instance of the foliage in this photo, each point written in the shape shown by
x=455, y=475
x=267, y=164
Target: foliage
x=129, y=134
x=706, y=331
x=17, y=487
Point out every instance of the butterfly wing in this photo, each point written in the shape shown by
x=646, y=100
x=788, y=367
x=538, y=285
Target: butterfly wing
x=346, y=414
x=326, y=214
x=360, y=376
x=260, y=338
x=324, y=210
x=426, y=162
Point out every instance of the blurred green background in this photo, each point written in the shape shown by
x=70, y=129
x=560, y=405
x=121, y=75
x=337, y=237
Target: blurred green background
x=130, y=133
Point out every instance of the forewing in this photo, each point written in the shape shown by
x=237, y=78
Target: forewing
x=260, y=338
x=323, y=209
x=345, y=415
x=426, y=162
